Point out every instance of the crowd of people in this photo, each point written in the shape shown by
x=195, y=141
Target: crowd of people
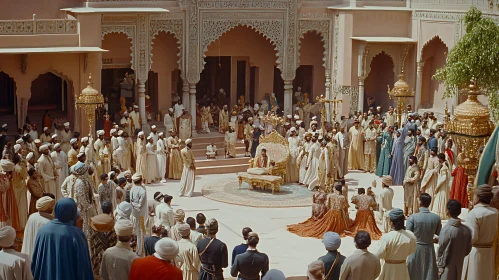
x=84, y=211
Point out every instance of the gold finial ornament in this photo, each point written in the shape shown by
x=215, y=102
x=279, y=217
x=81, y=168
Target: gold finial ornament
x=89, y=100
x=401, y=94
x=470, y=128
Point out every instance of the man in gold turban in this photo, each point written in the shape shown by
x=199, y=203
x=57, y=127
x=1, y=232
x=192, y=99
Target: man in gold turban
x=103, y=237
x=45, y=207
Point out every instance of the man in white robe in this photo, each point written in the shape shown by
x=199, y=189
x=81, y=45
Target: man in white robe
x=187, y=181
x=151, y=172
x=136, y=120
x=164, y=213
x=126, y=123
x=189, y=253
x=179, y=110
x=66, y=135
x=154, y=135
x=385, y=202
x=185, y=126
x=211, y=151
x=13, y=265
x=45, y=206
x=61, y=163
x=67, y=187
x=117, y=261
x=138, y=199
x=141, y=154
x=356, y=152
x=230, y=143
x=161, y=156
x=99, y=145
x=47, y=169
x=292, y=172
x=169, y=122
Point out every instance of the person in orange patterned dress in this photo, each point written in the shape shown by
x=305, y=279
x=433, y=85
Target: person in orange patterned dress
x=336, y=219
x=364, y=220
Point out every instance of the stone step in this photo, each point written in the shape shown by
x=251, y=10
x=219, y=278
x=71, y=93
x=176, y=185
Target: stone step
x=221, y=161
x=201, y=152
x=222, y=169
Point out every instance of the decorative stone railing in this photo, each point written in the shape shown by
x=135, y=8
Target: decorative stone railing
x=38, y=26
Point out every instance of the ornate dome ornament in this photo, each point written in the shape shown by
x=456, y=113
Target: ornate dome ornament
x=89, y=100
x=401, y=94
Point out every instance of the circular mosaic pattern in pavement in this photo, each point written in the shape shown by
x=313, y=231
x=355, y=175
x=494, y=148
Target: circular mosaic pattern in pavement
x=228, y=191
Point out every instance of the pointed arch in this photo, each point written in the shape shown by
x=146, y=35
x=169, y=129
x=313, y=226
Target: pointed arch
x=432, y=40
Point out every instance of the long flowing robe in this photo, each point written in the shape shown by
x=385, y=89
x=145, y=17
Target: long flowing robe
x=35, y=222
x=480, y=263
x=84, y=198
x=46, y=168
x=370, y=149
x=364, y=218
x=164, y=216
x=394, y=248
x=430, y=178
x=385, y=205
x=141, y=151
x=188, y=180
x=442, y=192
x=151, y=172
x=409, y=148
x=36, y=191
x=14, y=265
x=161, y=158
x=454, y=244
x=344, y=145
x=99, y=242
x=384, y=162
x=138, y=199
x=312, y=174
x=459, y=189
x=185, y=128
x=230, y=143
x=223, y=121
x=19, y=175
x=61, y=250
x=303, y=159
x=65, y=136
x=356, y=152
x=411, y=188
x=169, y=123
x=423, y=263
x=67, y=187
x=175, y=160
x=323, y=169
x=397, y=170
x=191, y=263
x=61, y=163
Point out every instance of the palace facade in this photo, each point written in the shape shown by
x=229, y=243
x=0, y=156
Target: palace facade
x=147, y=51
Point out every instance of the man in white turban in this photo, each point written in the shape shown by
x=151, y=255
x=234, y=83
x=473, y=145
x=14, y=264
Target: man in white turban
x=189, y=254
x=169, y=122
x=60, y=160
x=45, y=206
x=163, y=260
x=332, y=242
x=13, y=265
x=117, y=261
x=138, y=200
x=47, y=169
x=123, y=211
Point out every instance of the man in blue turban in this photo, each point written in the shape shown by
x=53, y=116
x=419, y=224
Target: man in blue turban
x=61, y=250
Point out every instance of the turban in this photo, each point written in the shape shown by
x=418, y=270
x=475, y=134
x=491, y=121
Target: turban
x=296, y=117
x=313, y=122
x=43, y=148
x=287, y=123
x=123, y=228
x=149, y=137
x=37, y=141
x=153, y=126
x=387, y=180
x=140, y=133
x=298, y=122
x=44, y=203
x=135, y=107
x=484, y=192
x=84, y=139
x=45, y=128
x=124, y=209
x=184, y=229
x=125, y=114
x=72, y=141
x=102, y=223
x=315, y=270
x=57, y=145
x=314, y=118
x=100, y=132
x=188, y=141
x=127, y=173
x=19, y=141
x=4, y=125
x=54, y=136
x=80, y=155
x=211, y=226
x=112, y=131
x=289, y=116
x=250, y=119
x=7, y=236
x=396, y=213
x=160, y=134
x=331, y=241
x=293, y=129
x=120, y=132
x=166, y=249
x=29, y=156
x=179, y=215
x=17, y=147
x=170, y=110
x=7, y=165
x=136, y=177
x=80, y=168
x=66, y=124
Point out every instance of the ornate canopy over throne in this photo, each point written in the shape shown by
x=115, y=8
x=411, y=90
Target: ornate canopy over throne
x=277, y=150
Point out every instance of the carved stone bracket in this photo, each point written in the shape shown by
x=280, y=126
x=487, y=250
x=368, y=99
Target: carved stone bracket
x=321, y=27
x=173, y=26
x=128, y=30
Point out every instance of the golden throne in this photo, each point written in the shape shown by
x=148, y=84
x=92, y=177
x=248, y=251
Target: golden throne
x=277, y=150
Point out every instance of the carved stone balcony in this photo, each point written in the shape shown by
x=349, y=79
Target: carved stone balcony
x=34, y=26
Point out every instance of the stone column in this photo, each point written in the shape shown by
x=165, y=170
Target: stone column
x=419, y=85
x=185, y=95
x=192, y=103
x=142, y=106
x=288, y=97
x=328, y=96
x=360, y=104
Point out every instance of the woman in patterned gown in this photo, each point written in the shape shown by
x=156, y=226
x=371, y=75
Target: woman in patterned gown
x=364, y=219
x=336, y=219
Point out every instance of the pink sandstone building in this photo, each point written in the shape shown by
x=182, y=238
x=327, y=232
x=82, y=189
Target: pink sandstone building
x=146, y=50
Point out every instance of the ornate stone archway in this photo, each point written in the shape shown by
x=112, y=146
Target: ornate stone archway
x=129, y=31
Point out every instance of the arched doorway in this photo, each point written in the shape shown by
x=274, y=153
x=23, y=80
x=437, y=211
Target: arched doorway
x=164, y=77
x=381, y=75
x=310, y=76
x=8, y=99
x=51, y=93
x=434, y=57
x=117, y=78
x=243, y=63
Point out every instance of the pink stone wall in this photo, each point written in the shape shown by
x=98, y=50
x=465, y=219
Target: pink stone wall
x=243, y=41
x=164, y=61
x=312, y=53
x=44, y=9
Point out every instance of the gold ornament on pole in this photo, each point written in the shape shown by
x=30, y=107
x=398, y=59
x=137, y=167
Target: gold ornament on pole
x=470, y=128
x=89, y=100
x=401, y=94
x=321, y=99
